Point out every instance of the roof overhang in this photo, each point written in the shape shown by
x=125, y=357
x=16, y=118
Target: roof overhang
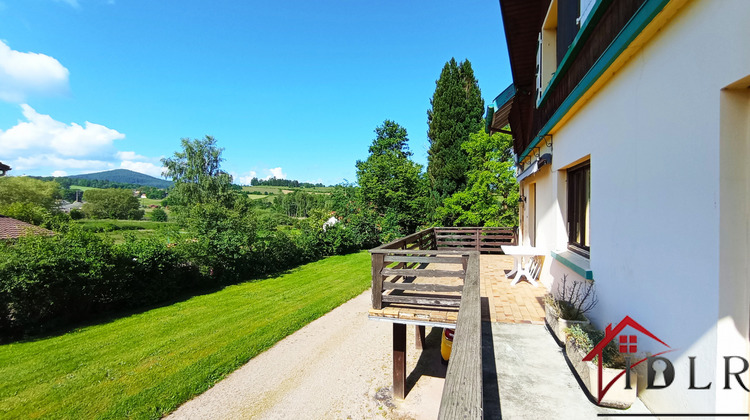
x=498, y=112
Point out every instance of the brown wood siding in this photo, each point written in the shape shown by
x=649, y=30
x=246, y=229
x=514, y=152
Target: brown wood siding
x=613, y=20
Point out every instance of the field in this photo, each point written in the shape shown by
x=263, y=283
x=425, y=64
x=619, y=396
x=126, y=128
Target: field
x=147, y=364
x=78, y=187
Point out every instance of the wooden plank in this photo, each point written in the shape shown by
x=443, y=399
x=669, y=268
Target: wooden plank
x=424, y=300
x=405, y=258
x=462, y=391
x=469, y=235
x=422, y=287
x=422, y=273
x=460, y=243
x=419, y=333
x=399, y=360
x=377, y=281
x=415, y=252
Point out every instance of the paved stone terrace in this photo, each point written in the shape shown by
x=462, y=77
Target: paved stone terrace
x=519, y=304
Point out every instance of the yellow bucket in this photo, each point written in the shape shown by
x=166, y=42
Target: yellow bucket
x=446, y=344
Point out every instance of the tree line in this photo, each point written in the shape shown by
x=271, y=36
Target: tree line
x=275, y=182
x=221, y=236
x=469, y=179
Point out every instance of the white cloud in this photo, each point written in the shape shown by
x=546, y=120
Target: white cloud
x=41, y=145
x=41, y=133
x=26, y=163
x=245, y=180
x=130, y=156
x=23, y=74
x=147, y=168
x=276, y=173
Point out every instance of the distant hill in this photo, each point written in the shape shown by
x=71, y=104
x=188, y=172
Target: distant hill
x=125, y=176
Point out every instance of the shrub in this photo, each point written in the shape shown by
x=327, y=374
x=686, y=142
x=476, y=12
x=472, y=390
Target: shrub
x=76, y=214
x=136, y=214
x=572, y=301
x=159, y=215
x=586, y=337
x=48, y=281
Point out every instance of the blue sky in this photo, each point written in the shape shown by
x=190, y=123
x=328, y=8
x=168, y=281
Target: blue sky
x=290, y=88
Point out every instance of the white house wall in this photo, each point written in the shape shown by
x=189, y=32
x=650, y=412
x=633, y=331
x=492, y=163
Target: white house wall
x=653, y=136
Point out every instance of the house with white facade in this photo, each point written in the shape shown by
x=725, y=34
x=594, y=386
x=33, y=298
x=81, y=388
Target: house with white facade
x=631, y=127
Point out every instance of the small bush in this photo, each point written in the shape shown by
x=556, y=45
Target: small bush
x=586, y=337
x=573, y=301
x=159, y=215
x=76, y=214
x=136, y=214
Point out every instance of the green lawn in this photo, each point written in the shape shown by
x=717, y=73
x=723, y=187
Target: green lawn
x=145, y=365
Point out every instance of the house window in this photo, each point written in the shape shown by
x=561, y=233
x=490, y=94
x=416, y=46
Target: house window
x=579, y=198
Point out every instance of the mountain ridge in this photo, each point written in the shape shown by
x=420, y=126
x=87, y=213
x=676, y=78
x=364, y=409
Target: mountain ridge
x=124, y=176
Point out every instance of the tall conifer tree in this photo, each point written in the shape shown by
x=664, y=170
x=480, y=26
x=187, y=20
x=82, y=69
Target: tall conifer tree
x=457, y=111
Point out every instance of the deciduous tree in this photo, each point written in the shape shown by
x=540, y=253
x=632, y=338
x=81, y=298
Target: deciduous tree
x=391, y=183
x=111, y=204
x=491, y=198
x=197, y=175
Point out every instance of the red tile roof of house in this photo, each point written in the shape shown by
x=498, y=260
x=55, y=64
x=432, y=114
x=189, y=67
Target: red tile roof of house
x=11, y=228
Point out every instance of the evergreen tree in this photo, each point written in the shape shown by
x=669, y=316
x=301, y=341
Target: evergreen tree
x=457, y=111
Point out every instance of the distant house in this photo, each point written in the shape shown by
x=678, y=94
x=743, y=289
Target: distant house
x=67, y=207
x=4, y=168
x=143, y=196
x=11, y=228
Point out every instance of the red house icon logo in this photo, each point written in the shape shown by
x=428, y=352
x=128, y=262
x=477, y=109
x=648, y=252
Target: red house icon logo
x=626, y=343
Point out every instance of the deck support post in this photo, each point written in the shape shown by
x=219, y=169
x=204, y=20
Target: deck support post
x=399, y=360
x=419, y=330
x=377, y=280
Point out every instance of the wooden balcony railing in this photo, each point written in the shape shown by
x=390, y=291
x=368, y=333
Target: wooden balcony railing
x=431, y=278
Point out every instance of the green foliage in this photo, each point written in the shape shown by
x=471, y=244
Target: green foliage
x=390, y=183
x=360, y=219
x=111, y=204
x=298, y=203
x=159, y=215
x=77, y=214
x=491, y=198
x=119, y=176
x=222, y=239
x=197, y=175
x=26, y=190
x=27, y=212
x=30, y=200
x=586, y=337
x=456, y=112
x=291, y=183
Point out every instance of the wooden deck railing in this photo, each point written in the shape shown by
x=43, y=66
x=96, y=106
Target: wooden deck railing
x=395, y=268
x=462, y=392
x=407, y=257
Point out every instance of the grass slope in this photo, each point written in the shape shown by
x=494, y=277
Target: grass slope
x=145, y=365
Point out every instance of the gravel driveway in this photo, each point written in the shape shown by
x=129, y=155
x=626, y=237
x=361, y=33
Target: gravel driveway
x=337, y=367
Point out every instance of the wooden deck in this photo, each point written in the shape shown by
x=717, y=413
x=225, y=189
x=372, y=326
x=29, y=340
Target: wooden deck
x=519, y=304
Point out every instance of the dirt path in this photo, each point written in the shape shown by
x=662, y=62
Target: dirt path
x=337, y=367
